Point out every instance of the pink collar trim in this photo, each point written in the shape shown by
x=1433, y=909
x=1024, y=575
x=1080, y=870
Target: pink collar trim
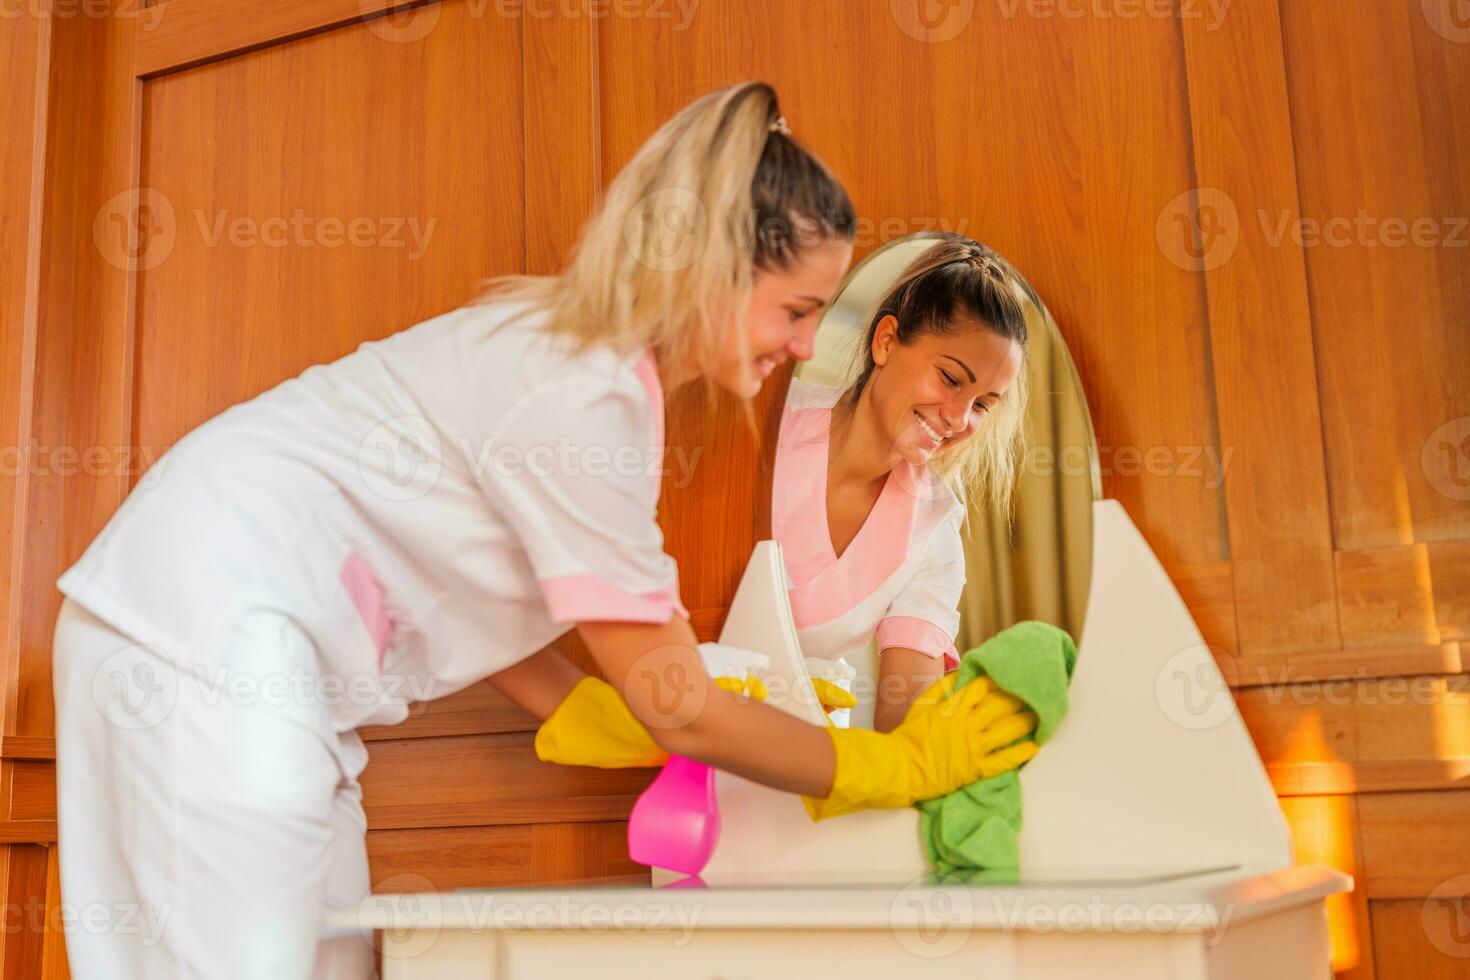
x=825, y=585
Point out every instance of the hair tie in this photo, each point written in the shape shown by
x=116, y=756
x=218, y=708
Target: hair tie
x=778, y=125
x=984, y=264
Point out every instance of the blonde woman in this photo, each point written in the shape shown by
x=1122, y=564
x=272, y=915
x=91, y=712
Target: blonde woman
x=428, y=511
x=871, y=477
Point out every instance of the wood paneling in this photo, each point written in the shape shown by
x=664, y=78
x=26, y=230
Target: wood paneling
x=31, y=941
x=502, y=857
x=1414, y=842
x=173, y=36
x=1387, y=596
x=1385, y=142
x=1449, y=575
x=432, y=170
x=32, y=791
x=1405, y=935
x=1327, y=558
x=24, y=50
x=561, y=118
x=495, y=777
x=1264, y=385
x=1361, y=735
x=1032, y=134
x=1209, y=592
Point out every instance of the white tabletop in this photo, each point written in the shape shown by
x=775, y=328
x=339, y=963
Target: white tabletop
x=1158, y=901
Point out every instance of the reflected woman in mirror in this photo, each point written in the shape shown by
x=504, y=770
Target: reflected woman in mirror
x=872, y=478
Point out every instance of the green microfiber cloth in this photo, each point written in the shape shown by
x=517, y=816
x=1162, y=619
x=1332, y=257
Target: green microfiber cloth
x=977, y=829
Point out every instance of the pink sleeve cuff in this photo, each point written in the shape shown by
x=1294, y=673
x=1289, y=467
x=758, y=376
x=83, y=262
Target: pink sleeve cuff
x=584, y=598
x=913, y=633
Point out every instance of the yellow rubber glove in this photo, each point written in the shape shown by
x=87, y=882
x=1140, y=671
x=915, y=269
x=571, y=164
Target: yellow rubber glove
x=937, y=692
x=595, y=727
x=832, y=697
x=941, y=745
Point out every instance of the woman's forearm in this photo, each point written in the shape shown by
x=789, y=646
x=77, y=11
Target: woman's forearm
x=763, y=744
x=659, y=673
x=903, y=674
x=540, y=682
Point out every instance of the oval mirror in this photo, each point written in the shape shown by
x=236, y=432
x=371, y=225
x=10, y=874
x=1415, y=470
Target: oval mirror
x=1036, y=562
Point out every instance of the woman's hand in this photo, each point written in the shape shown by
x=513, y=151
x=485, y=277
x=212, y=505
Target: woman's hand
x=941, y=746
x=832, y=697
x=593, y=726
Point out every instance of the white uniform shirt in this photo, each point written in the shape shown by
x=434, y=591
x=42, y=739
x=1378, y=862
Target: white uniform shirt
x=899, y=580
x=431, y=509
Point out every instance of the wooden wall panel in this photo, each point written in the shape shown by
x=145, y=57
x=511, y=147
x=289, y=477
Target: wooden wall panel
x=1280, y=541
x=1421, y=940
x=204, y=30
x=1383, y=199
x=487, y=779
x=68, y=140
x=1331, y=376
x=410, y=138
x=31, y=944
x=1387, y=596
x=1029, y=133
x=1415, y=882
x=1348, y=735
x=1449, y=577
x=1391, y=315
x=502, y=856
x=1414, y=842
x=560, y=118
x=24, y=50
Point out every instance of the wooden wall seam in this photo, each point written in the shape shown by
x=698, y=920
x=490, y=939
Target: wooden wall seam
x=187, y=35
x=1281, y=543
x=35, y=232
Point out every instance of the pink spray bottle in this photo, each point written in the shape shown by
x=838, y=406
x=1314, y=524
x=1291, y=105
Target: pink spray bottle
x=676, y=822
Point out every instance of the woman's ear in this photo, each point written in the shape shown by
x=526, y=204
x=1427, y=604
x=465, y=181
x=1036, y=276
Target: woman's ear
x=885, y=334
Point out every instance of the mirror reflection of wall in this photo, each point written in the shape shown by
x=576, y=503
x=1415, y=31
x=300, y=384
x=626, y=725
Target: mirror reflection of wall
x=1034, y=563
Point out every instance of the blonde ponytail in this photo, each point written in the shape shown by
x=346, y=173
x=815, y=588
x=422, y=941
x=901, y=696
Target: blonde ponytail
x=668, y=260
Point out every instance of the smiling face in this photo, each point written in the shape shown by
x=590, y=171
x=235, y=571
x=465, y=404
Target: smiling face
x=781, y=322
x=933, y=393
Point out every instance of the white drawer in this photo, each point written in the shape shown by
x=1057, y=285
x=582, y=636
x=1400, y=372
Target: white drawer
x=765, y=954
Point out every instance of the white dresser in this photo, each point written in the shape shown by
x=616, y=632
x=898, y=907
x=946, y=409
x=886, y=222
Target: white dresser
x=1153, y=846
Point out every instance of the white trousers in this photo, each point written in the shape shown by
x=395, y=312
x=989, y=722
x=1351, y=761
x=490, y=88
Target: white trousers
x=209, y=815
